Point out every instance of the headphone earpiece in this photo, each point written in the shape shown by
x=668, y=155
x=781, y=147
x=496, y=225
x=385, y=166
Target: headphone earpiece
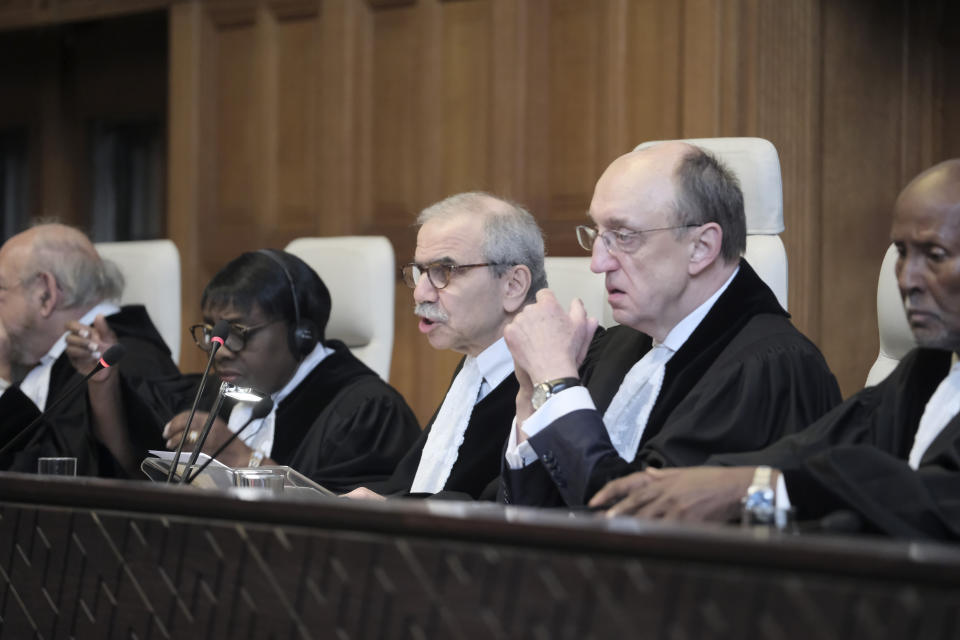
x=301, y=337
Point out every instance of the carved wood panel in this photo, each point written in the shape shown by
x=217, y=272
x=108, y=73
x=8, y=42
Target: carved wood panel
x=301, y=117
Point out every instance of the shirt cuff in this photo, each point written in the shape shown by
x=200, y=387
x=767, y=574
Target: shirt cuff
x=783, y=498
x=557, y=406
x=518, y=454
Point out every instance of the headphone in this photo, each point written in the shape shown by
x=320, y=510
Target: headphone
x=302, y=338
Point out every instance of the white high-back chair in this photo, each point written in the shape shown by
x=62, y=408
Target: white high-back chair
x=571, y=278
x=757, y=166
x=896, y=339
x=151, y=271
x=360, y=273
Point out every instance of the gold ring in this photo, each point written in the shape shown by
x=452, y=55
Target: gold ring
x=192, y=437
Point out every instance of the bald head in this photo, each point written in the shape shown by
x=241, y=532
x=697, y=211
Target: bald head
x=66, y=253
x=642, y=179
x=937, y=187
x=926, y=232
x=687, y=183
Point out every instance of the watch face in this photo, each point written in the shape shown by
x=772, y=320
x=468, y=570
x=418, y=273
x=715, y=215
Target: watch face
x=539, y=395
x=759, y=504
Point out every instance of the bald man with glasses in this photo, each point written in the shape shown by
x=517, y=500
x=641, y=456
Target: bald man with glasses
x=478, y=262
x=704, y=361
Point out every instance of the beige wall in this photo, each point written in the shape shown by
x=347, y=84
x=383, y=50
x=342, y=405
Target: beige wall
x=291, y=118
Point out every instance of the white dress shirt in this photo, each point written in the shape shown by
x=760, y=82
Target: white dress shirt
x=442, y=448
x=495, y=364
x=520, y=454
x=259, y=435
x=943, y=405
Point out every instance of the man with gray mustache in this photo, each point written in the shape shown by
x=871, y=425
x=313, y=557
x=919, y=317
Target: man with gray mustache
x=478, y=262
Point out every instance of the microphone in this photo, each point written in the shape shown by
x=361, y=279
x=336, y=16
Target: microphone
x=110, y=357
x=260, y=410
x=198, y=446
x=220, y=332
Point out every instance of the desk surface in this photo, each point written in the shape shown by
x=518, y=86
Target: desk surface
x=364, y=567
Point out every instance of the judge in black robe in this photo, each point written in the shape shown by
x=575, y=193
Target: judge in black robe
x=854, y=459
x=743, y=378
x=476, y=472
x=336, y=421
x=343, y=426
x=67, y=430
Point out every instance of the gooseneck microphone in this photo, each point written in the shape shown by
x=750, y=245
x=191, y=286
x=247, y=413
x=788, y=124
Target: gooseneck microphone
x=110, y=357
x=205, y=432
x=220, y=332
x=260, y=410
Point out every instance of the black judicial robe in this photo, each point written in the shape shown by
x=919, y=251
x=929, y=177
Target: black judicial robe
x=477, y=468
x=68, y=430
x=744, y=378
x=343, y=426
x=855, y=457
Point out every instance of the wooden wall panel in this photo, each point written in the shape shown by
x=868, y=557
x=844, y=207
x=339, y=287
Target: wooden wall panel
x=862, y=164
x=238, y=134
x=399, y=81
x=784, y=106
x=343, y=112
x=575, y=71
x=309, y=117
x=653, y=78
x=464, y=100
x=189, y=160
x=295, y=146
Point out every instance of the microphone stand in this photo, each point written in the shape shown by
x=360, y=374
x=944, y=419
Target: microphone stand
x=110, y=357
x=220, y=332
x=204, y=432
x=260, y=410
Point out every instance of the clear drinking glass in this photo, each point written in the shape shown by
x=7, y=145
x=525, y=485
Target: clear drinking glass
x=261, y=478
x=61, y=466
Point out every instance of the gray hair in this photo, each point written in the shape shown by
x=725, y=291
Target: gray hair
x=707, y=191
x=511, y=235
x=82, y=275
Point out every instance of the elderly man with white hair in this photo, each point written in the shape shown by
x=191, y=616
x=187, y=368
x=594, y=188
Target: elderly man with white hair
x=51, y=281
x=478, y=262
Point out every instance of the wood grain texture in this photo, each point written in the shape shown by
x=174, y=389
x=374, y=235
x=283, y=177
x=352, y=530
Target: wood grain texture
x=291, y=118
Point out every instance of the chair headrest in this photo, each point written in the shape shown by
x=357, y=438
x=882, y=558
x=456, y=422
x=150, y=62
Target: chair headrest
x=896, y=339
x=757, y=166
x=359, y=273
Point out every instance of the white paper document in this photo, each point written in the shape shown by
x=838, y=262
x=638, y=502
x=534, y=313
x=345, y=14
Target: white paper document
x=185, y=458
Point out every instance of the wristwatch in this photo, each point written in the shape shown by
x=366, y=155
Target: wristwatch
x=758, y=505
x=544, y=390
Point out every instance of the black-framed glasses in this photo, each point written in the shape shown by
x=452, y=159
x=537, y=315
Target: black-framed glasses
x=236, y=339
x=620, y=240
x=439, y=273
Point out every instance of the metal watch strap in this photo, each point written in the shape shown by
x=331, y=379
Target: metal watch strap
x=758, y=503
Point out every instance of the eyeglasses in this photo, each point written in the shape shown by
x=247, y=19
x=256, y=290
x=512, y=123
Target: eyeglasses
x=236, y=339
x=621, y=240
x=439, y=273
